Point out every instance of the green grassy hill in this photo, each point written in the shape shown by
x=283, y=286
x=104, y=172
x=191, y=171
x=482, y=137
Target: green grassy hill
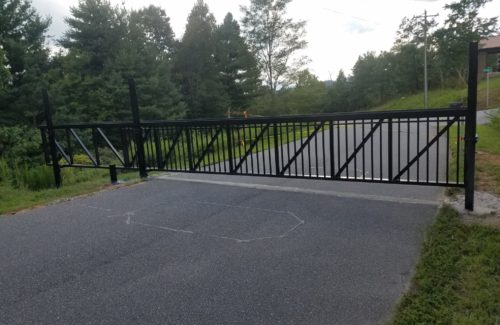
x=441, y=98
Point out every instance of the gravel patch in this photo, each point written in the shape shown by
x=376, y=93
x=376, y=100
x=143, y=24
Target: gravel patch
x=486, y=208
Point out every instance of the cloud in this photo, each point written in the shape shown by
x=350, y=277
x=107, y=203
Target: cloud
x=359, y=28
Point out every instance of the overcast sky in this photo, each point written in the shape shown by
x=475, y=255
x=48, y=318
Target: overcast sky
x=337, y=31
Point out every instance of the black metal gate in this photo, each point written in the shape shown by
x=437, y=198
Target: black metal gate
x=422, y=147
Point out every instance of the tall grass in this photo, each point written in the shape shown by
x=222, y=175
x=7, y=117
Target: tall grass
x=33, y=178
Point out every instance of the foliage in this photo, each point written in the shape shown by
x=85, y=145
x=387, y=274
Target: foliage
x=196, y=67
x=106, y=46
x=237, y=66
x=20, y=145
x=463, y=25
x=23, y=60
x=96, y=29
x=274, y=39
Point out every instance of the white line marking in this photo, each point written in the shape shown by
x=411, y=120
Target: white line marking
x=159, y=227
x=93, y=207
x=307, y=191
x=300, y=222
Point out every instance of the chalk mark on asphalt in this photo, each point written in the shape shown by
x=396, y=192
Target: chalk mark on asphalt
x=129, y=215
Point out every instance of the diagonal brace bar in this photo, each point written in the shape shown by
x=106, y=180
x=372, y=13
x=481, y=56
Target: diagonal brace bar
x=205, y=151
x=302, y=147
x=61, y=150
x=252, y=146
x=424, y=150
x=172, y=147
x=82, y=145
x=110, y=145
x=358, y=149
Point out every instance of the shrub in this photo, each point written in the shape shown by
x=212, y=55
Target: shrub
x=20, y=145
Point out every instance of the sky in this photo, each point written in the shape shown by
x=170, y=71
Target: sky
x=338, y=32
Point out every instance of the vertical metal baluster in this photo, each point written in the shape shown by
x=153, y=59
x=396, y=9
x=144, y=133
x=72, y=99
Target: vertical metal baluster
x=458, y=151
x=332, y=149
x=354, y=127
x=346, y=134
x=437, y=154
x=399, y=145
x=338, y=147
x=264, y=151
x=248, y=143
x=223, y=148
x=448, y=151
x=158, y=153
x=301, y=145
x=239, y=143
x=316, y=151
x=381, y=151
x=427, y=153
x=295, y=147
x=418, y=149
x=257, y=149
x=281, y=147
x=364, y=147
x=276, y=151
x=324, y=152
x=390, y=150
x=288, y=147
x=408, y=149
x=309, y=151
x=372, y=162
x=269, y=150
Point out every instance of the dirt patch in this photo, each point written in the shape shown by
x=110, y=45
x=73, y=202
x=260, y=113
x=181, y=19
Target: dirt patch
x=488, y=172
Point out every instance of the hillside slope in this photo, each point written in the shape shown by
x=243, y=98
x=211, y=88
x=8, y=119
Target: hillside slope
x=441, y=98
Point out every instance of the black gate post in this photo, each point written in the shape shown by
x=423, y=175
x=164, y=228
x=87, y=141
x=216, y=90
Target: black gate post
x=52, y=138
x=470, y=128
x=138, y=129
x=276, y=149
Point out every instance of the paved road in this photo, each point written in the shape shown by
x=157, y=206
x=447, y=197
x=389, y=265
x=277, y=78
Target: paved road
x=201, y=249
x=484, y=117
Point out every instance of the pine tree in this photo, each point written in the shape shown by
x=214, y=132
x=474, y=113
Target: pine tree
x=196, y=67
x=23, y=61
x=236, y=64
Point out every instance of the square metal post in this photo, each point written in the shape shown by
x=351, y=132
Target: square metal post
x=52, y=139
x=470, y=128
x=141, y=159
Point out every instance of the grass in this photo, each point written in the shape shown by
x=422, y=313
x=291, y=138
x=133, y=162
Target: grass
x=488, y=158
x=457, y=280
x=440, y=98
x=23, y=198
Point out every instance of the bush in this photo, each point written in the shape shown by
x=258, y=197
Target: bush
x=20, y=145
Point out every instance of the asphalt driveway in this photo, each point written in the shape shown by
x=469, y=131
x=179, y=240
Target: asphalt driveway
x=188, y=252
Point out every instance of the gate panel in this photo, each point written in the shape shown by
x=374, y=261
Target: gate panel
x=411, y=147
